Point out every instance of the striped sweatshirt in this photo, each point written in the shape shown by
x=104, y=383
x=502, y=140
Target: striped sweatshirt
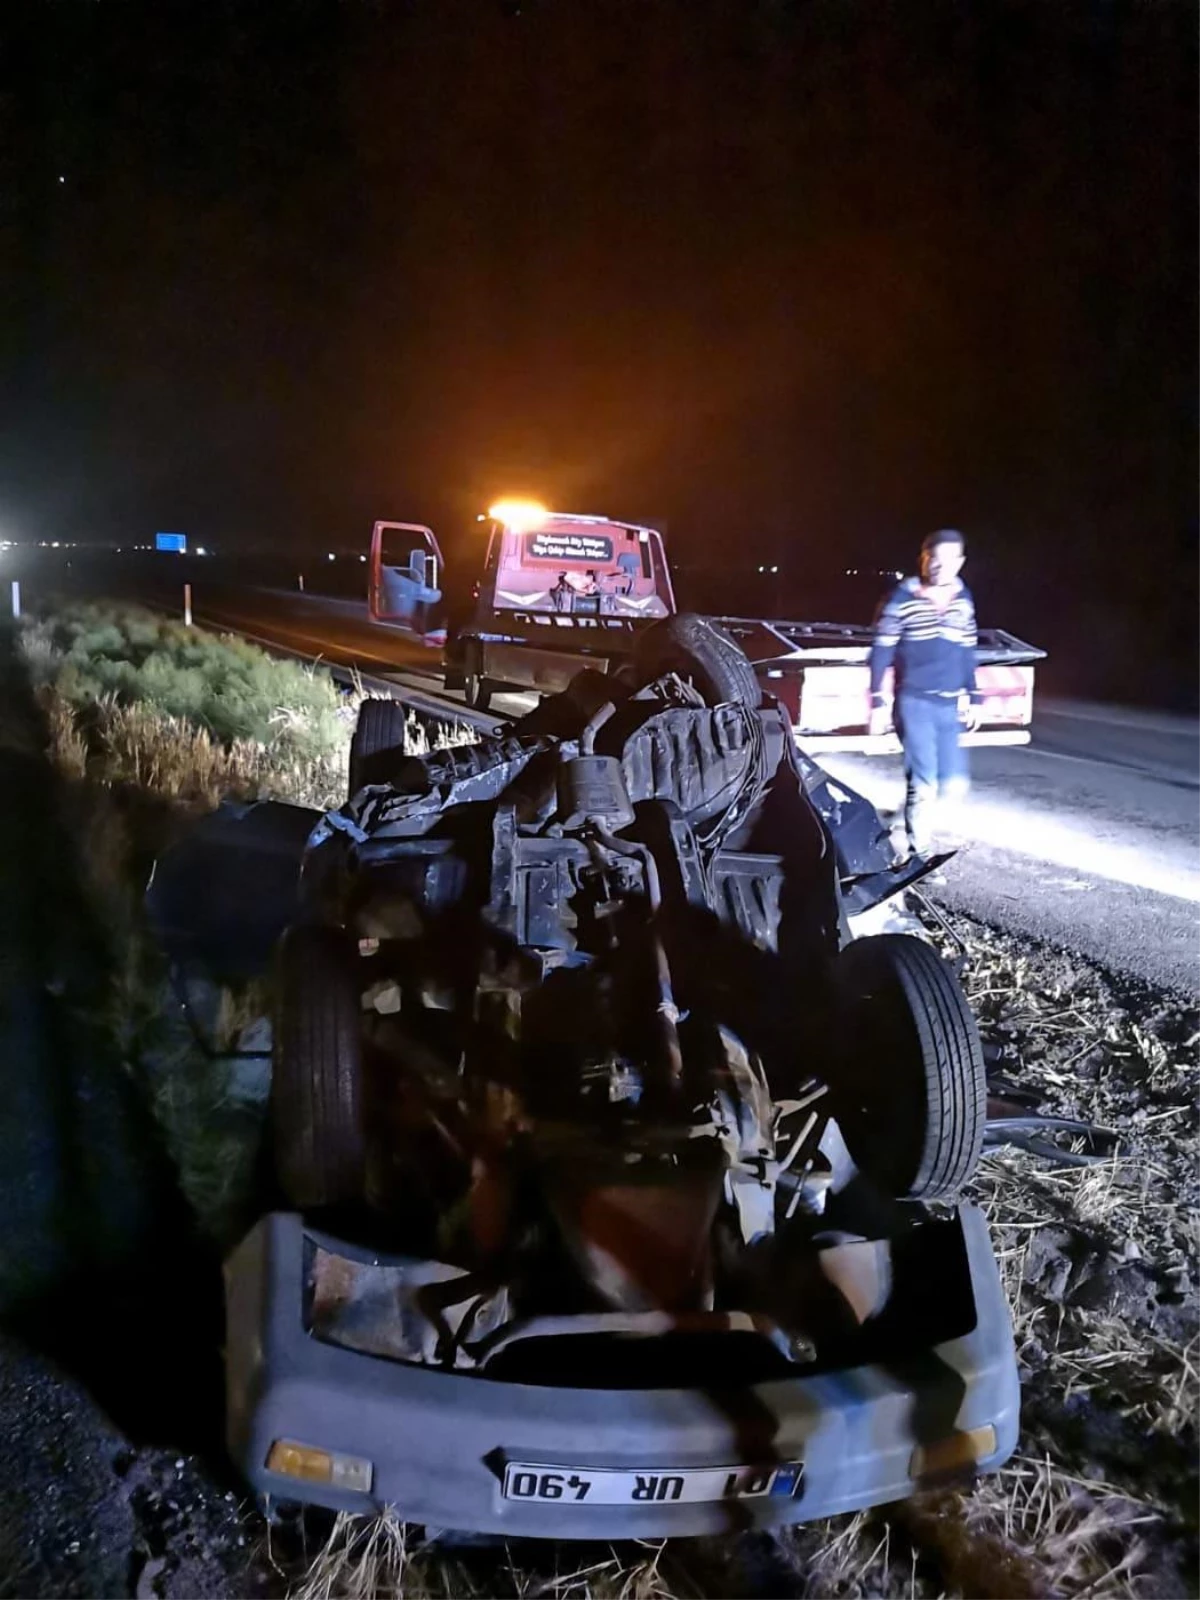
x=932, y=651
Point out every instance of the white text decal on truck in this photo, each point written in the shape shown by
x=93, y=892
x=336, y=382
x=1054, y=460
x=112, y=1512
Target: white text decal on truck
x=570, y=547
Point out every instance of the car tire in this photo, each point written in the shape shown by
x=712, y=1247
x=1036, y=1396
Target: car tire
x=380, y=733
x=476, y=690
x=698, y=650
x=911, y=1097
x=315, y=1110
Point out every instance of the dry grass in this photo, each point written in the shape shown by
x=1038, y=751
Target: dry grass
x=112, y=742
x=861, y=1554
x=190, y=717
x=1079, y=1536
x=845, y=1556
x=211, y=1134
x=382, y=1558
x=363, y=1559
x=1100, y=1269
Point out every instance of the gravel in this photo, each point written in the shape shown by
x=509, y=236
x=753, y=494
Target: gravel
x=83, y=1511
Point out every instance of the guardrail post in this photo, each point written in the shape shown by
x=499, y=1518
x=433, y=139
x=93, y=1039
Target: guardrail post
x=16, y=597
x=187, y=605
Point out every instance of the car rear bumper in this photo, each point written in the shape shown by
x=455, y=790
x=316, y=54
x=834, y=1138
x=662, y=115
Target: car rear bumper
x=438, y=1441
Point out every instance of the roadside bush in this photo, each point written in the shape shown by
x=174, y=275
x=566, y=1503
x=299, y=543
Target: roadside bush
x=192, y=717
x=228, y=687
x=184, y=714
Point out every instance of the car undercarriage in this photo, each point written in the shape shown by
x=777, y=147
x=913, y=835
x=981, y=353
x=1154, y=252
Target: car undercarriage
x=583, y=1080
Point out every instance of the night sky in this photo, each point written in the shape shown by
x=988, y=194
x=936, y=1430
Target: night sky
x=805, y=280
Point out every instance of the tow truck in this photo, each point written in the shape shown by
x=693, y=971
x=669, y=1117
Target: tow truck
x=561, y=591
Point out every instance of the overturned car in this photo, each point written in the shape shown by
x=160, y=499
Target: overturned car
x=617, y=1180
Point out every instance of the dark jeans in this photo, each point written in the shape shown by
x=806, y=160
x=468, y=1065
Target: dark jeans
x=935, y=762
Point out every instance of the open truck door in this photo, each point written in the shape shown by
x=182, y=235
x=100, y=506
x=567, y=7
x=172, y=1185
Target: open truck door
x=405, y=583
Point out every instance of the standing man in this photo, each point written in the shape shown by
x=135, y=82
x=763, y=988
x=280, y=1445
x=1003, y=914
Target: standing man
x=926, y=633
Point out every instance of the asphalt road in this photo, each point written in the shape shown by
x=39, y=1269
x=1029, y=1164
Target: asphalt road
x=1089, y=837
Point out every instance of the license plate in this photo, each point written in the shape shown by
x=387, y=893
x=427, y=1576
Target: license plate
x=602, y=1486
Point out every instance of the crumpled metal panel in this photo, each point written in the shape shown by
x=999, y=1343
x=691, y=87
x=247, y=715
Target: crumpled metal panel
x=424, y=787
x=424, y=1311
x=696, y=757
x=433, y=1314
x=641, y=1240
x=794, y=1345
x=748, y=888
x=860, y=836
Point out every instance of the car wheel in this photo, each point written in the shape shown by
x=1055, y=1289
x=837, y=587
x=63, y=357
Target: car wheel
x=381, y=732
x=315, y=1111
x=911, y=1096
x=698, y=650
x=476, y=690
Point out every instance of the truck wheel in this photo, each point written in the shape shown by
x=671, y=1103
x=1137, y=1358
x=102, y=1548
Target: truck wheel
x=476, y=690
x=315, y=1106
x=381, y=731
x=697, y=649
x=912, y=1097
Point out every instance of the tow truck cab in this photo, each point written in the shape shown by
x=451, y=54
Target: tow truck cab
x=559, y=591
x=575, y=566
